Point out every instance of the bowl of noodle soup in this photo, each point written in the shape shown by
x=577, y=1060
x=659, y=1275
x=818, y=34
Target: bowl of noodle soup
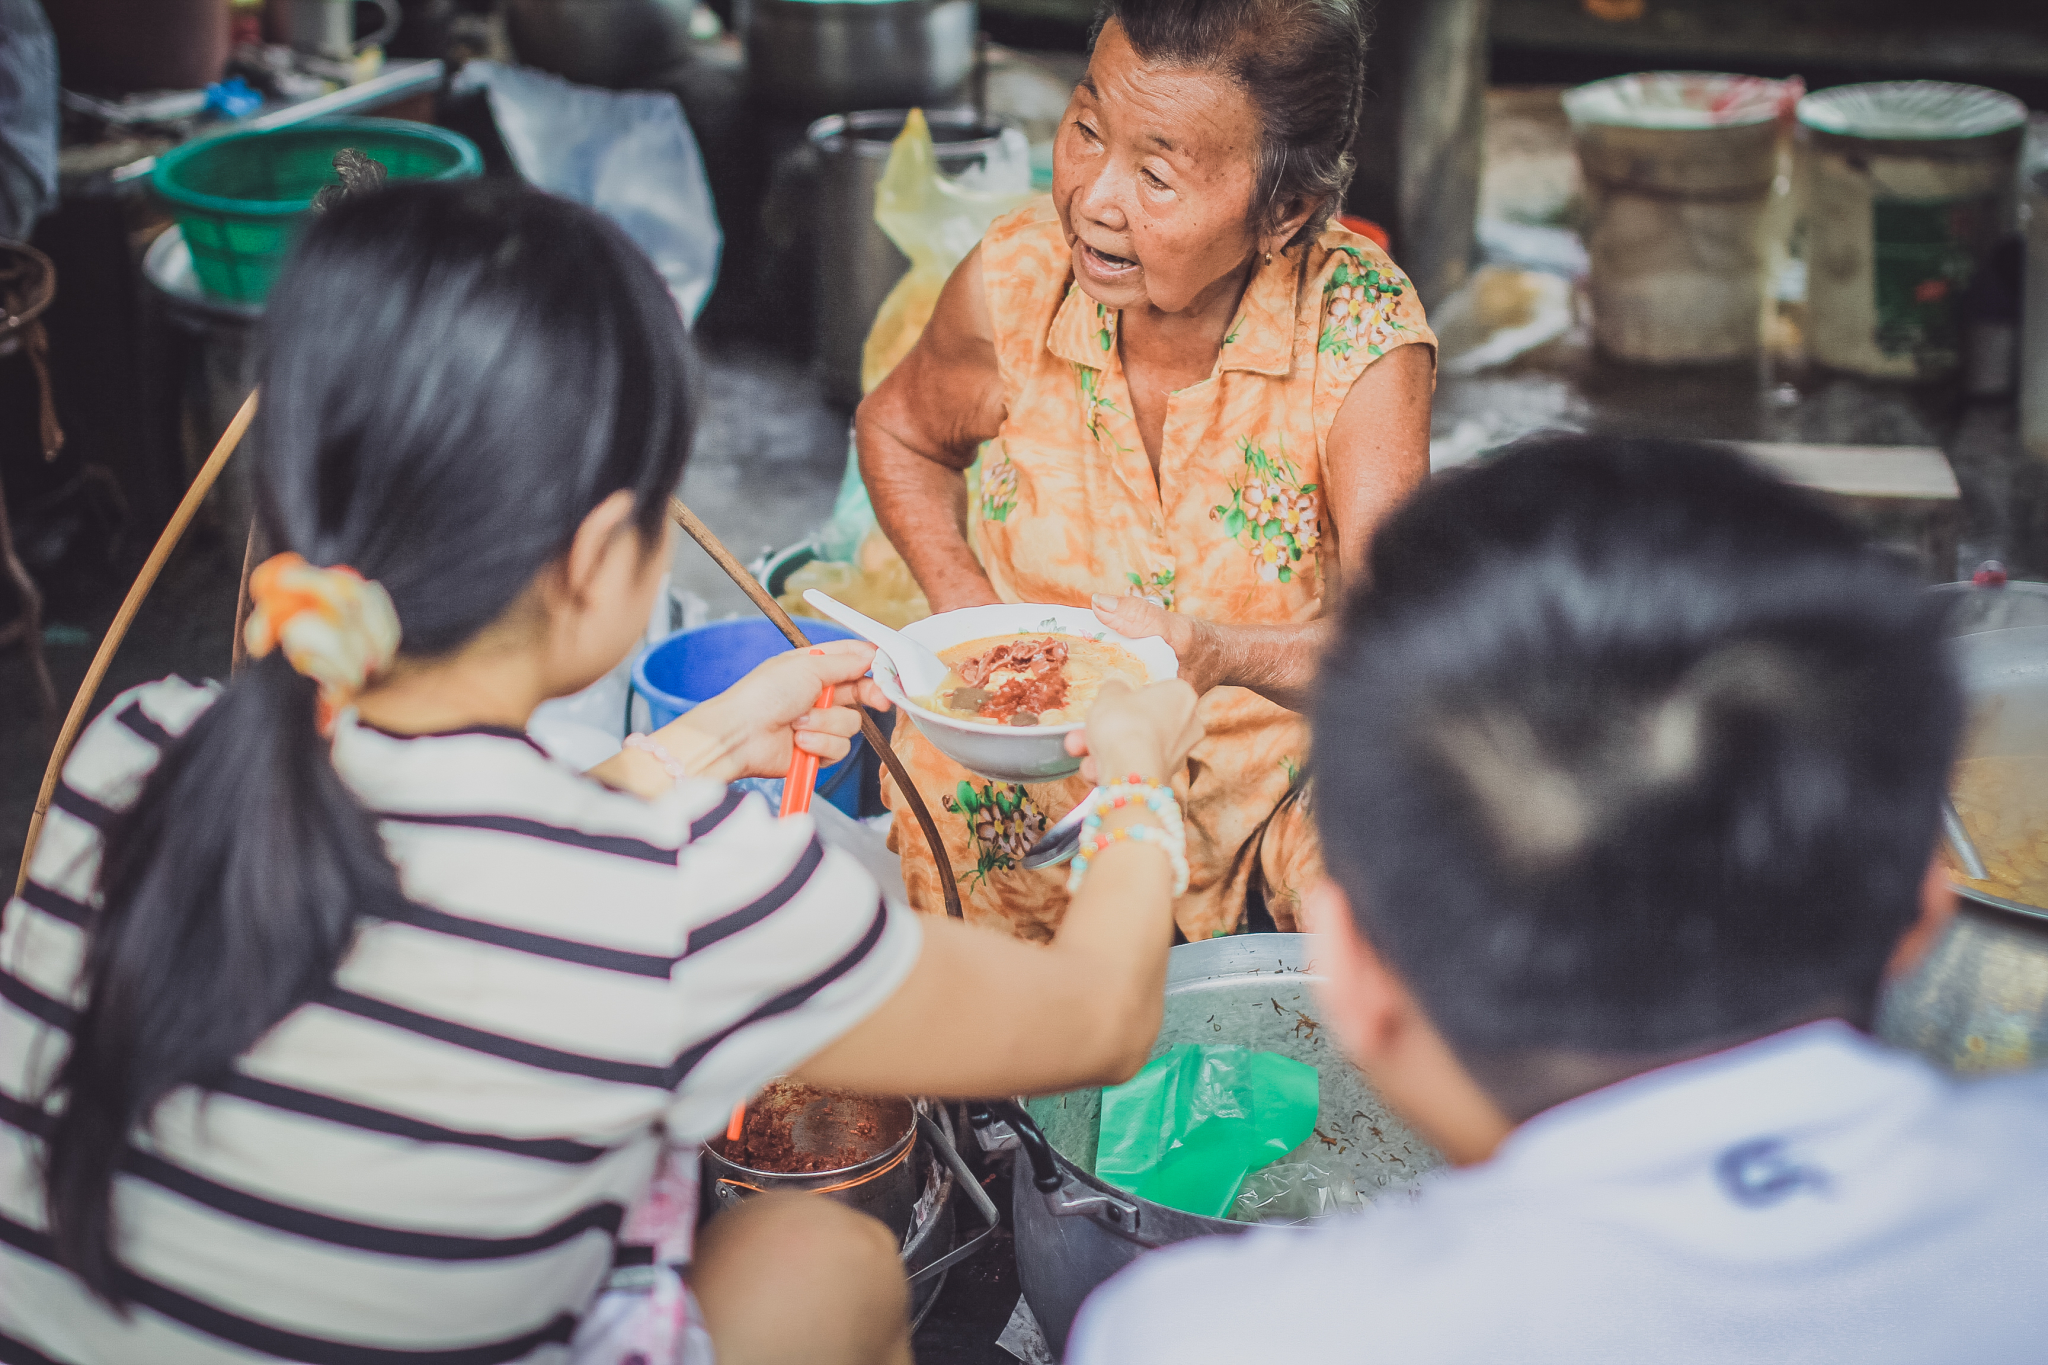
x=1013, y=749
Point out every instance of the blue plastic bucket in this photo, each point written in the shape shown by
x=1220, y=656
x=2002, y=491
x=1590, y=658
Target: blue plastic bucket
x=693, y=666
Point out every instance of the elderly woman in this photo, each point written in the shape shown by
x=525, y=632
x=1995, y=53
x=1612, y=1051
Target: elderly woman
x=1198, y=398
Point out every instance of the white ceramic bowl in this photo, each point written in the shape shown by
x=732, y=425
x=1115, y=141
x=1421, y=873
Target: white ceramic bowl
x=1012, y=753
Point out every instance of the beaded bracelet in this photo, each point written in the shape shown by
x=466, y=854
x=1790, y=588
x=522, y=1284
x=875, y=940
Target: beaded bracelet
x=647, y=745
x=1137, y=834
x=1156, y=798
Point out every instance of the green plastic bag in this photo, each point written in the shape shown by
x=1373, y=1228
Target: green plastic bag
x=1186, y=1130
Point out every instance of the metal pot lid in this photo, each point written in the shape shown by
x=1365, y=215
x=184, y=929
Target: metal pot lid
x=956, y=133
x=1912, y=111
x=1679, y=100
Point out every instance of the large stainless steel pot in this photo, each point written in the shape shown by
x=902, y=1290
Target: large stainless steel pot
x=1074, y=1231
x=811, y=57
x=857, y=264
x=1980, y=1000
x=1979, y=1003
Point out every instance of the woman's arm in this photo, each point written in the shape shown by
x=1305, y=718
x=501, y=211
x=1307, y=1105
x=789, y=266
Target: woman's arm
x=918, y=431
x=1377, y=452
x=982, y=1013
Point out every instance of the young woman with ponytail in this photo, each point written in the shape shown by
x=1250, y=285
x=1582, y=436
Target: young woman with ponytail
x=338, y=1023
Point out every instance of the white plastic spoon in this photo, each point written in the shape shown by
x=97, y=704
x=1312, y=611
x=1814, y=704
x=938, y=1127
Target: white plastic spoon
x=918, y=670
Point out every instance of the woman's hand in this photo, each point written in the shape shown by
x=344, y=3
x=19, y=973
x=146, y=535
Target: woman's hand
x=753, y=727
x=1195, y=642
x=748, y=729
x=1146, y=732
x=1277, y=662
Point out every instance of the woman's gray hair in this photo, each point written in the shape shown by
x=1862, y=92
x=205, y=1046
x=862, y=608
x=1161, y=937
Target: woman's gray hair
x=1302, y=65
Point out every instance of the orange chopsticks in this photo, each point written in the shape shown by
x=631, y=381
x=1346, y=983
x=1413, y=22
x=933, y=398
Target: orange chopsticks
x=802, y=777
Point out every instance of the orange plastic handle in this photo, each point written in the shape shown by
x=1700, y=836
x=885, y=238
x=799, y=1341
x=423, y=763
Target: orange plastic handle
x=802, y=778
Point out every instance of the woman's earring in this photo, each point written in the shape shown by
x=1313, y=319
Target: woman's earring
x=1269, y=258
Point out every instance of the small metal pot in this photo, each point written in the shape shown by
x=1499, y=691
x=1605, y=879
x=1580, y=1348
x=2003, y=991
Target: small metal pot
x=1074, y=1231
x=811, y=57
x=857, y=262
x=885, y=1185
x=599, y=42
x=909, y=1186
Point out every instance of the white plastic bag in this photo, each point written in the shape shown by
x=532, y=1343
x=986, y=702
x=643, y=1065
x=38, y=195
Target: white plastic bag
x=1294, y=1192
x=629, y=154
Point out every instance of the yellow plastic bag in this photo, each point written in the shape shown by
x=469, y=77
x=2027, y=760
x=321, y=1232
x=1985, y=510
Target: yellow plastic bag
x=935, y=220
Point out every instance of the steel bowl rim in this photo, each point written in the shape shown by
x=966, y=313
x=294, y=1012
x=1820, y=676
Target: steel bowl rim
x=880, y=1160
x=1189, y=965
x=2000, y=903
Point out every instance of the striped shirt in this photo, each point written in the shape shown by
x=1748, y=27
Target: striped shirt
x=427, y=1164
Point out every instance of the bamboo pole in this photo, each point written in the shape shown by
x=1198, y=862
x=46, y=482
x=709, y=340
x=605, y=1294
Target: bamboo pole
x=772, y=609
x=132, y=603
x=238, y=648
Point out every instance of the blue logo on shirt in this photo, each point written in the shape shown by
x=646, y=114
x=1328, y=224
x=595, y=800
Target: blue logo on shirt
x=1758, y=1174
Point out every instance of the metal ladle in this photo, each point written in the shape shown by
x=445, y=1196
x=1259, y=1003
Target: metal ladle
x=1059, y=843
x=1958, y=843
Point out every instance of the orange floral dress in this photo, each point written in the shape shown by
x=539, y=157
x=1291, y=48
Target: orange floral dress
x=1230, y=530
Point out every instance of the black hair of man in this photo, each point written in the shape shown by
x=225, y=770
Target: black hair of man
x=1630, y=749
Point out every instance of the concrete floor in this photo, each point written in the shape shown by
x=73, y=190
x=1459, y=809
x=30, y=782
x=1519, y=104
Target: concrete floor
x=770, y=453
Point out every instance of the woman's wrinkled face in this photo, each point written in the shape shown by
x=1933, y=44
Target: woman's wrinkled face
x=1153, y=172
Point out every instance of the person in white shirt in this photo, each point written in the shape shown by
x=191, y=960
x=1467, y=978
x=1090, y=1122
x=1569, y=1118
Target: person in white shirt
x=1628, y=761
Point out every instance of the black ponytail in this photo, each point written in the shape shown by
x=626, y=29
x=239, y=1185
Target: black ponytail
x=454, y=377
x=231, y=890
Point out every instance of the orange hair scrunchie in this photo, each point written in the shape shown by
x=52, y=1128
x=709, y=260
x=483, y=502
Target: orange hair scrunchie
x=335, y=626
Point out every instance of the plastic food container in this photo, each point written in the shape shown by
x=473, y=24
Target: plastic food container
x=1681, y=171
x=241, y=198
x=1908, y=184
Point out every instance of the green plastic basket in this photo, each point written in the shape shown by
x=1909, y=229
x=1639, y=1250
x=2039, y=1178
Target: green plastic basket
x=241, y=198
